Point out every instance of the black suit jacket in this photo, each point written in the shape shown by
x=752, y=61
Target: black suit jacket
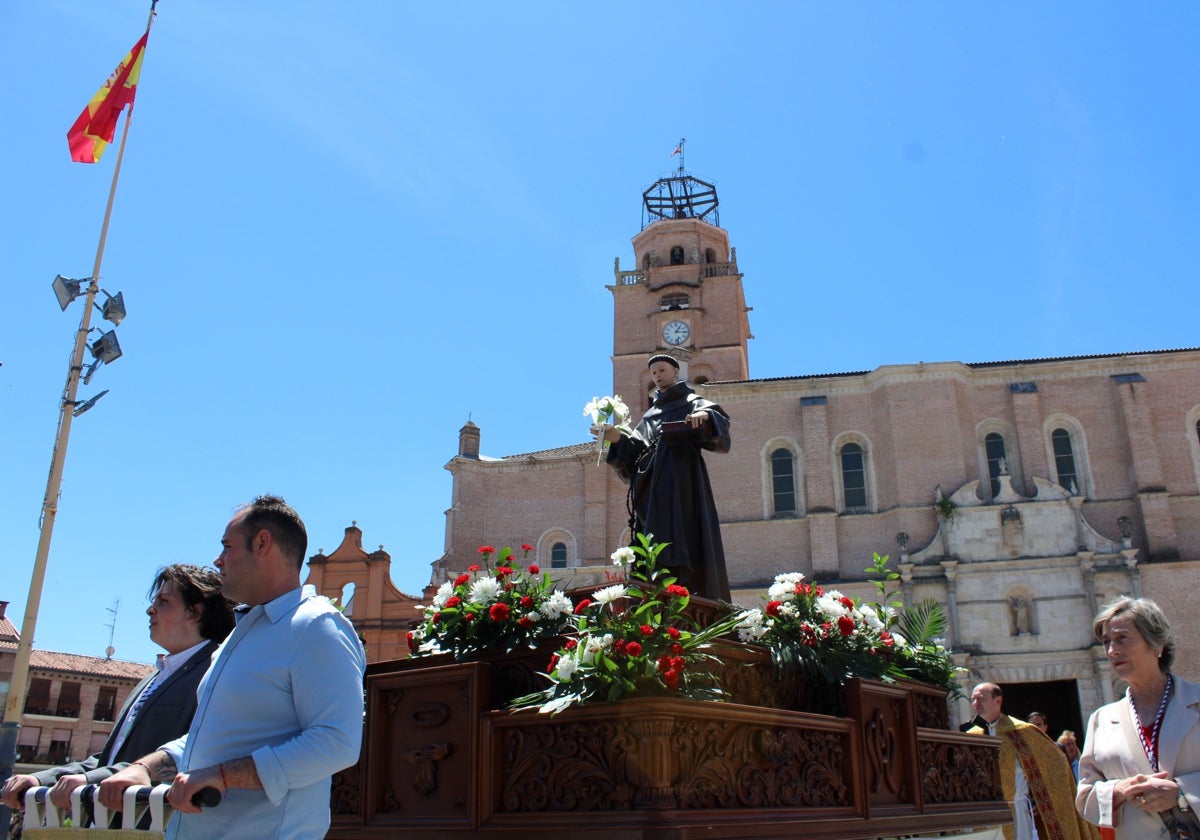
x=166, y=715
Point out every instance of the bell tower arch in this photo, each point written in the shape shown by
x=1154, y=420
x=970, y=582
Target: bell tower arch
x=684, y=297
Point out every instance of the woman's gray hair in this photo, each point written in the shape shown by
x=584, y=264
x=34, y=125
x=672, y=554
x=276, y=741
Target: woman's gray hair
x=1149, y=620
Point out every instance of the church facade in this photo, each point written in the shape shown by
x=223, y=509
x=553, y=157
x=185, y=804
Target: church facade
x=1021, y=495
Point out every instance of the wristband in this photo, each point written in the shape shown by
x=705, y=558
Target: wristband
x=224, y=783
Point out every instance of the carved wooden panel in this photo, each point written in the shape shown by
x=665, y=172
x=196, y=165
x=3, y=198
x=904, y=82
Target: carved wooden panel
x=421, y=749
x=666, y=754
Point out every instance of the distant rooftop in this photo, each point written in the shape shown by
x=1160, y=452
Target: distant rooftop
x=977, y=365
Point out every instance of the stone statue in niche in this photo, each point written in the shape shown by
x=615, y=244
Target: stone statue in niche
x=1022, y=616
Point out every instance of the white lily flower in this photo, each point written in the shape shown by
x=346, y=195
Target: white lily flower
x=781, y=591
x=557, y=605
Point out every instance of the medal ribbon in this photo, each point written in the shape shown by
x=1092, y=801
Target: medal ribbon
x=1151, y=746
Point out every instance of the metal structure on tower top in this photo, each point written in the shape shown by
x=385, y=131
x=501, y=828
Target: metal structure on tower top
x=680, y=196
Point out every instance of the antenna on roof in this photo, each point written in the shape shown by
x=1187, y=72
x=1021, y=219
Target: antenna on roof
x=112, y=628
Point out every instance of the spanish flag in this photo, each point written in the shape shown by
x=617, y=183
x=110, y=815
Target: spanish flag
x=96, y=126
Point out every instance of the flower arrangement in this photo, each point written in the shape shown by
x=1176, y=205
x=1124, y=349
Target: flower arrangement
x=611, y=410
x=827, y=634
x=633, y=638
x=492, y=607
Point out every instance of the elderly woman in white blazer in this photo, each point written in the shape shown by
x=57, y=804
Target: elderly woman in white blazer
x=1141, y=756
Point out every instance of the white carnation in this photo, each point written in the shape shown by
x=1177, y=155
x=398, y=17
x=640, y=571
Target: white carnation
x=443, y=593
x=485, y=590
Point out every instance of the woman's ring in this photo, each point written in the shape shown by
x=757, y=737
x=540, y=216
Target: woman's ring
x=1141, y=799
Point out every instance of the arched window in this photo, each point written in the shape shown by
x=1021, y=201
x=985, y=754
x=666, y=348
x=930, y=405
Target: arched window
x=1064, y=460
x=997, y=463
x=783, y=482
x=854, y=477
x=710, y=256
x=558, y=556
x=347, y=600
x=676, y=255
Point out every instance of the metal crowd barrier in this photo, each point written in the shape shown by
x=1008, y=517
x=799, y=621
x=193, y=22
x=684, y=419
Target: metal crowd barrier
x=145, y=811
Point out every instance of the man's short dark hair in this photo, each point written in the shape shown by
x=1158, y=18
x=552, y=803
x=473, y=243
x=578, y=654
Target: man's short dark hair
x=272, y=514
x=199, y=587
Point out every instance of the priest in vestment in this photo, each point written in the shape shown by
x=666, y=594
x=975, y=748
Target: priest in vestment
x=1034, y=774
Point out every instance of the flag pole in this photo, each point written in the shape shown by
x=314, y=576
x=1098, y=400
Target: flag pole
x=15, y=703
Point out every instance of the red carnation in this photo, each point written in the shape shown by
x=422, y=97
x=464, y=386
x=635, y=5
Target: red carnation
x=846, y=625
x=412, y=641
x=848, y=603
x=571, y=644
x=468, y=617
x=499, y=612
x=634, y=648
x=486, y=549
x=503, y=571
x=673, y=632
x=526, y=601
x=818, y=591
x=886, y=638
x=473, y=568
x=461, y=580
x=803, y=589
x=582, y=605
x=619, y=646
x=677, y=591
x=675, y=648
x=664, y=663
x=526, y=547
x=772, y=608
x=553, y=663
x=671, y=678
x=647, y=630
x=677, y=662
x=525, y=621
x=453, y=601
x=533, y=570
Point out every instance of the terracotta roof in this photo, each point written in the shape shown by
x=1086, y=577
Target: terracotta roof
x=557, y=452
x=977, y=365
x=8, y=633
x=92, y=666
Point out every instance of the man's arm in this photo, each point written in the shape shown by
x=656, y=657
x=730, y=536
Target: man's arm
x=158, y=766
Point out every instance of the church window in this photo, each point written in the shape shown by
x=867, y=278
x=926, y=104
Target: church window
x=558, y=556
x=1064, y=460
x=783, y=482
x=710, y=256
x=993, y=446
x=347, y=599
x=674, y=302
x=854, y=477
x=676, y=255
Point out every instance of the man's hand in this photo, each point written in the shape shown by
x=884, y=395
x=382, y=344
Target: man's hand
x=112, y=790
x=187, y=785
x=13, y=792
x=60, y=794
x=697, y=419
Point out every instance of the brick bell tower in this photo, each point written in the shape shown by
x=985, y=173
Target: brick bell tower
x=685, y=296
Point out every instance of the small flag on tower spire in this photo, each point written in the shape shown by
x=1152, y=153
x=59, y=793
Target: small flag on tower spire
x=90, y=135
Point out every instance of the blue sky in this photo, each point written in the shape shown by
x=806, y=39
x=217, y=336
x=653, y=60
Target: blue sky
x=344, y=229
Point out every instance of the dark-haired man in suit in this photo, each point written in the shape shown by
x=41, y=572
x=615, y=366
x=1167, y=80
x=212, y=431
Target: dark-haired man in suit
x=189, y=617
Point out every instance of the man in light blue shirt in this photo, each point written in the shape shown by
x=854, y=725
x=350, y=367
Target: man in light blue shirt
x=281, y=708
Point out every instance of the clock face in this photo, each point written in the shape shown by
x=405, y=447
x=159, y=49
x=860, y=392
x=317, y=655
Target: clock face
x=676, y=332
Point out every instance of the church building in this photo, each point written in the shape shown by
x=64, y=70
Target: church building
x=1021, y=495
